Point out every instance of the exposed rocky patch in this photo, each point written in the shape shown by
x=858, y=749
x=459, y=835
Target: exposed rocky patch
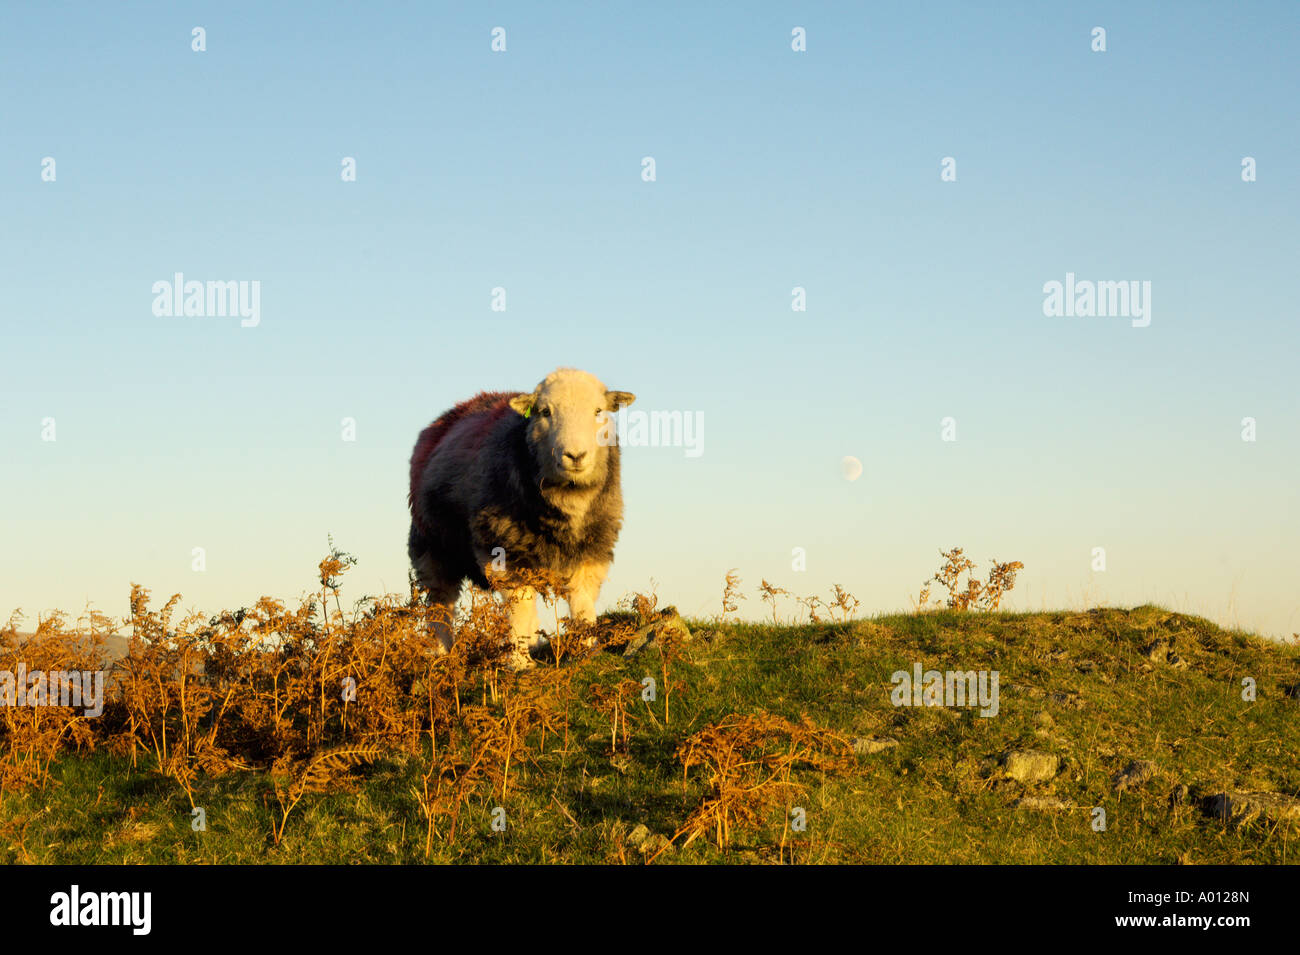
x=868, y=745
x=1030, y=766
x=667, y=623
x=1240, y=808
x=646, y=842
x=1161, y=651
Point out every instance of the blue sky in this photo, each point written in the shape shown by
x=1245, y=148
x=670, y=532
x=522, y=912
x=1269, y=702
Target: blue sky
x=775, y=169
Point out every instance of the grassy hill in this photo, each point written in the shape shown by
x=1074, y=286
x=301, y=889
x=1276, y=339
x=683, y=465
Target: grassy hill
x=1139, y=712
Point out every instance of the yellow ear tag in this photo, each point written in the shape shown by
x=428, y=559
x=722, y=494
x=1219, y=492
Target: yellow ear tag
x=529, y=411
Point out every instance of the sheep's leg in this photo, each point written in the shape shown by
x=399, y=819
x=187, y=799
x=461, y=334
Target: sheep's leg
x=441, y=613
x=583, y=588
x=442, y=591
x=522, y=604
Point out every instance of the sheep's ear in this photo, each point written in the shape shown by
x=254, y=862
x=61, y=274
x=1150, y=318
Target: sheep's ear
x=523, y=404
x=619, y=399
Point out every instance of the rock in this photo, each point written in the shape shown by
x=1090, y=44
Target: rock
x=1241, y=808
x=866, y=745
x=654, y=844
x=1135, y=774
x=668, y=623
x=638, y=643
x=1030, y=766
x=646, y=842
x=1046, y=803
x=1162, y=651
x=1044, y=724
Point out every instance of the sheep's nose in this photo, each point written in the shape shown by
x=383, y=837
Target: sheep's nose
x=573, y=459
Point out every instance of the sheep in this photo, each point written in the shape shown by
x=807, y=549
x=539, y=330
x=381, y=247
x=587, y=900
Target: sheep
x=533, y=477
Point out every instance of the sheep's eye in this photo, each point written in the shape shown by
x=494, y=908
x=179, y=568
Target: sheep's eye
x=546, y=412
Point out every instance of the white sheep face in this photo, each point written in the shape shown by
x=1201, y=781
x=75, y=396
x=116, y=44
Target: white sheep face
x=570, y=427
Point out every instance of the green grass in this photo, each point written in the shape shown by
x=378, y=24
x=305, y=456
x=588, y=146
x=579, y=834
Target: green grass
x=939, y=796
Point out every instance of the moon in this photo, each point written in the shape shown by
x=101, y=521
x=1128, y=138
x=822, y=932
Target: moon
x=852, y=468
